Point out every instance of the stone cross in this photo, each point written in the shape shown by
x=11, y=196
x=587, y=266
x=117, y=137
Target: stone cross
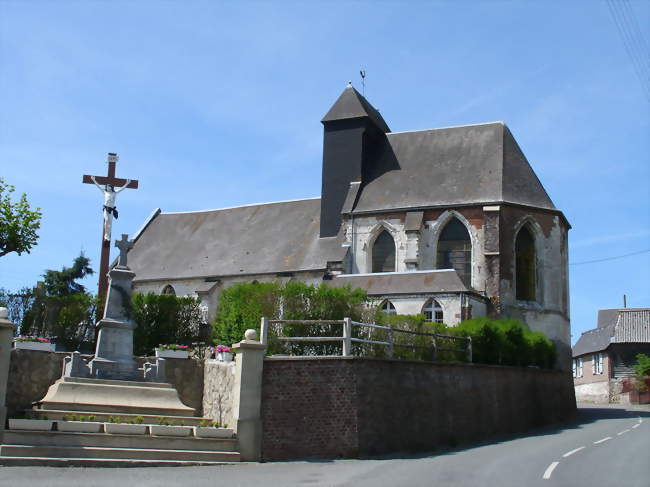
x=124, y=245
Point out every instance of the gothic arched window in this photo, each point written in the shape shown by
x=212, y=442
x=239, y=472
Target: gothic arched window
x=525, y=265
x=383, y=253
x=168, y=290
x=388, y=308
x=455, y=250
x=432, y=312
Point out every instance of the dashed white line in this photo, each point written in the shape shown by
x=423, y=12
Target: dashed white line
x=622, y=432
x=549, y=470
x=636, y=425
x=603, y=440
x=569, y=453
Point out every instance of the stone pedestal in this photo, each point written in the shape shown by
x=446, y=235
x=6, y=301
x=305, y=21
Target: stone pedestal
x=6, y=335
x=114, y=352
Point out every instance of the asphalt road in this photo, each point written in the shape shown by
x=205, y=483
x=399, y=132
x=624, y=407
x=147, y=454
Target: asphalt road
x=605, y=447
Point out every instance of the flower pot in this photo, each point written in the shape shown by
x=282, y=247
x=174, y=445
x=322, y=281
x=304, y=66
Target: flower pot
x=125, y=429
x=171, y=353
x=163, y=430
x=224, y=357
x=41, y=346
x=209, y=432
x=31, y=424
x=79, y=426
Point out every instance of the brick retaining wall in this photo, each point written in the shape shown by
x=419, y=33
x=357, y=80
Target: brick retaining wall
x=345, y=407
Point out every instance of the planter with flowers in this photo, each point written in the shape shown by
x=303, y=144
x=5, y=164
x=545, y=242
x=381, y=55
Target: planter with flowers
x=222, y=353
x=172, y=351
x=33, y=343
x=212, y=429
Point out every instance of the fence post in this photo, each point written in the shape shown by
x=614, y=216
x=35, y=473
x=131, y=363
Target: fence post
x=391, y=341
x=6, y=335
x=434, y=349
x=469, y=349
x=264, y=330
x=347, y=337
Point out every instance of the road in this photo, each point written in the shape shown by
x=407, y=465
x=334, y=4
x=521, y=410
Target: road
x=604, y=447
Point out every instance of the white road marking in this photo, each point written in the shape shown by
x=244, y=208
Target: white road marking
x=569, y=453
x=622, y=432
x=603, y=440
x=640, y=419
x=636, y=425
x=549, y=470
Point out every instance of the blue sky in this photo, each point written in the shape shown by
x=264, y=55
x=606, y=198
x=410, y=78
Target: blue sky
x=215, y=104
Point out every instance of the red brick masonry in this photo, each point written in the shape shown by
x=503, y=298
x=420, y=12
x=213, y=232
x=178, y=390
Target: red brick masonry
x=347, y=407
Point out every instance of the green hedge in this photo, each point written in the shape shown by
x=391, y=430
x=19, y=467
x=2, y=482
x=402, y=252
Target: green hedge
x=164, y=319
x=242, y=305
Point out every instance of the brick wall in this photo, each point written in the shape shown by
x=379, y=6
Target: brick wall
x=346, y=407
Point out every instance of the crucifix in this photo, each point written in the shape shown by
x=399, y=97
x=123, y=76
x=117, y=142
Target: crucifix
x=107, y=185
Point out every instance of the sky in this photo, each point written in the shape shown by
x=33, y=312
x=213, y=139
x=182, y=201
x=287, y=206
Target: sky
x=217, y=104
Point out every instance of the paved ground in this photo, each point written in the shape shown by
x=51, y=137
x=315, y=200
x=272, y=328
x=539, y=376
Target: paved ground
x=606, y=446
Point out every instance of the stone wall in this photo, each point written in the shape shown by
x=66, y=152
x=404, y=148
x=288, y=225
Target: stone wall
x=347, y=407
x=31, y=373
x=219, y=381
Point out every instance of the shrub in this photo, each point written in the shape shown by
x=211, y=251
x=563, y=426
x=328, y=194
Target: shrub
x=241, y=306
x=164, y=319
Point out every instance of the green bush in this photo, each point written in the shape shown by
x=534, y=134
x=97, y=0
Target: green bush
x=243, y=305
x=642, y=366
x=164, y=319
x=506, y=342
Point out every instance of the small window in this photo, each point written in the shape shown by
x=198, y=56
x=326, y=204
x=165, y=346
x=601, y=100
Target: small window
x=597, y=363
x=168, y=290
x=455, y=250
x=388, y=308
x=577, y=367
x=525, y=265
x=432, y=312
x=383, y=253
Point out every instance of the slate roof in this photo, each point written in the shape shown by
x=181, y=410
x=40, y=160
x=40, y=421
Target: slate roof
x=450, y=166
x=253, y=239
x=352, y=104
x=393, y=283
x=627, y=325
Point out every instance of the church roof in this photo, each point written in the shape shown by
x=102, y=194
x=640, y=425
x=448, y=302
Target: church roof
x=253, y=239
x=352, y=104
x=469, y=164
x=412, y=282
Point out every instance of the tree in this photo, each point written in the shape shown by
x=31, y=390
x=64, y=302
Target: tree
x=62, y=283
x=18, y=222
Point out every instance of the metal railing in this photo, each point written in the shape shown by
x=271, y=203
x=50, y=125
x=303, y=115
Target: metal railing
x=347, y=338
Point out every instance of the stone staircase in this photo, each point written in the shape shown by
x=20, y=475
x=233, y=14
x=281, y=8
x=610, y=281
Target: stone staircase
x=22, y=447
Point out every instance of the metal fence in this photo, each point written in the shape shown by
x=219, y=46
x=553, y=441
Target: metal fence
x=347, y=339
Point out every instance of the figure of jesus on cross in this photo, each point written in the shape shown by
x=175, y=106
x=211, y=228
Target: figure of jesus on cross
x=107, y=185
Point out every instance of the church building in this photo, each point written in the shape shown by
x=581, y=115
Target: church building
x=450, y=222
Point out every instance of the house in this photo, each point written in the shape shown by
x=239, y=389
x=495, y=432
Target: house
x=449, y=222
x=603, y=357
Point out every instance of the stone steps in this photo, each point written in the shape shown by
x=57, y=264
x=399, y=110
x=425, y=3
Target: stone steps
x=52, y=448
x=56, y=438
x=96, y=462
x=25, y=451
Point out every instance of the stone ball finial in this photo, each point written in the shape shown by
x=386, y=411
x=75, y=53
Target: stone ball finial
x=4, y=314
x=250, y=334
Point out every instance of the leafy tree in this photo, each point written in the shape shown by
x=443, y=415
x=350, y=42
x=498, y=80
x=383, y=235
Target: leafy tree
x=62, y=283
x=17, y=303
x=18, y=222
